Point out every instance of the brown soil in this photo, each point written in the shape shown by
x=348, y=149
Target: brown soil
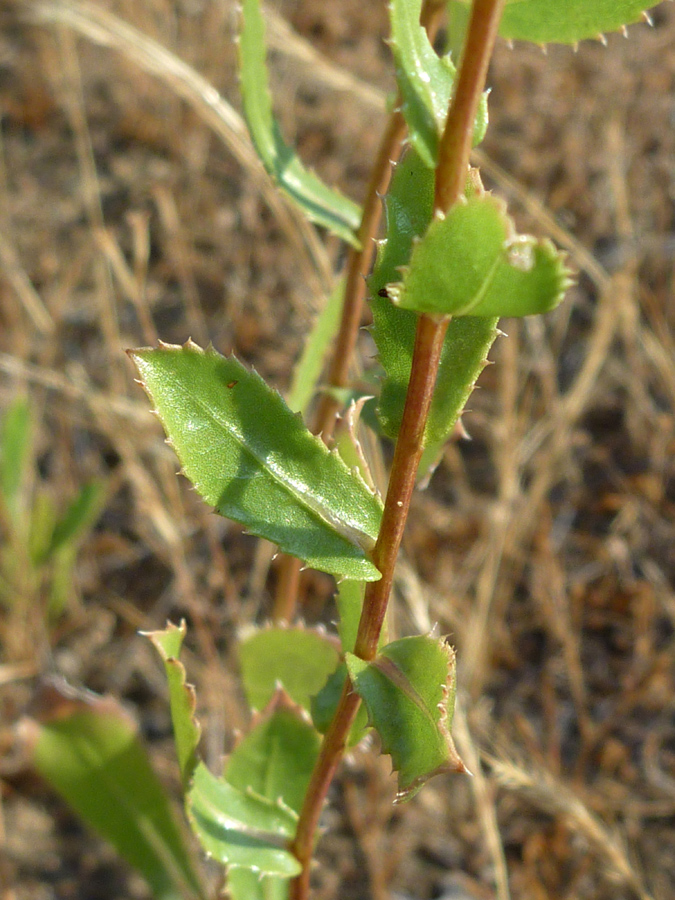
x=544, y=546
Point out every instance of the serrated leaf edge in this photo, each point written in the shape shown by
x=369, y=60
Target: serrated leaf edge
x=357, y=538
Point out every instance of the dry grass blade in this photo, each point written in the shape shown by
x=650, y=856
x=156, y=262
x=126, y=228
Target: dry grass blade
x=23, y=288
x=102, y=27
x=553, y=796
x=484, y=798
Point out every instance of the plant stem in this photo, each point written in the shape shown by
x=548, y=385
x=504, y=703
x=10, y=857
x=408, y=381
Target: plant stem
x=451, y=175
x=455, y=144
x=409, y=447
x=359, y=262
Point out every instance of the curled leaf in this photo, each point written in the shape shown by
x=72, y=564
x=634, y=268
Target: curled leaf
x=409, y=692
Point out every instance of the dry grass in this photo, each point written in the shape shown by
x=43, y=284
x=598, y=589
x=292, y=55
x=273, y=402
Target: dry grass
x=131, y=207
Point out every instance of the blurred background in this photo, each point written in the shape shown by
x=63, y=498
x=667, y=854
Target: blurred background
x=132, y=208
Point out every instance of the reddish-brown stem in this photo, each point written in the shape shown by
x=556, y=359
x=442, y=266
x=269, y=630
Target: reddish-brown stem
x=359, y=262
x=409, y=447
x=450, y=181
x=455, y=144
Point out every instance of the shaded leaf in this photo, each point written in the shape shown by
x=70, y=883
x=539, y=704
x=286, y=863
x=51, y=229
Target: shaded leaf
x=87, y=748
x=543, y=22
x=186, y=730
x=239, y=828
x=426, y=82
x=408, y=207
x=326, y=701
x=298, y=659
x=245, y=884
x=471, y=262
x=256, y=462
x=321, y=204
x=276, y=757
x=409, y=692
x=349, y=601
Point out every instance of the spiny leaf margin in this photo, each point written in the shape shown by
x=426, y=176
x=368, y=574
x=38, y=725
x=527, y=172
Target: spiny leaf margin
x=182, y=697
x=546, y=22
x=471, y=262
x=253, y=459
x=409, y=692
x=240, y=828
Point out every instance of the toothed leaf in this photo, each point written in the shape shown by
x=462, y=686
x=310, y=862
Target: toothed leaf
x=186, y=729
x=256, y=462
x=543, y=22
x=321, y=204
x=275, y=759
x=409, y=692
x=241, y=829
x=408, y=210
x=88, y=749
x=298, y=659
x=471, y=262
x=426, y=82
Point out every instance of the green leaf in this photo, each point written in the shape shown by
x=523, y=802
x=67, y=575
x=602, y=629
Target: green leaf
x=409, y=207
x=182, y=697
x=15, y=453
x=543, y=22
x=471, y=262
x=246, y=884
x=321, y=204
x=325, y=704
x=298, y=659
x=349, y=602
x=78, y=518
x=426, y=82
x=275, y=759
x=310, y=365
x=88, y=750
x=256, y=462
x=239, y=828
x=409, y=692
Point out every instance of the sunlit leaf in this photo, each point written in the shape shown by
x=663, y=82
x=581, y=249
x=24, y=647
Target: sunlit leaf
x=409, y=692
x=425, y=81
x=321, y=204
x=186, y=729
x=471, y=262
x=256, y=462
x=239, y=828
x=543, y=21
